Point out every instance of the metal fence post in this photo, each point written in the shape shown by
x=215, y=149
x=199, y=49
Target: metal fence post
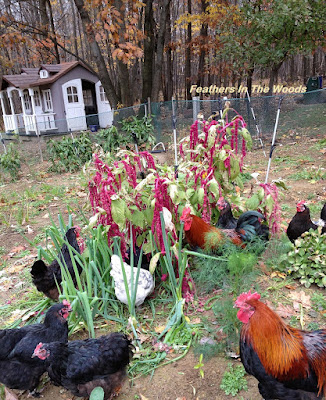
x=195, y=107
x=149, y=111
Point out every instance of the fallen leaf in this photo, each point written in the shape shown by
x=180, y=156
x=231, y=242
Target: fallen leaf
x=17, y=249
x=46, y=216
x=28, y=315
x=143, y=338
x=296, y=306
x=278, y=275
x=290, y=287
x=159, y=329
x=301, y=297
x=284, y=311
x=9, y=395
x=142, y=397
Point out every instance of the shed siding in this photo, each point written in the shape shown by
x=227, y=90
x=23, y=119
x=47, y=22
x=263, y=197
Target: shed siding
x=57, y=97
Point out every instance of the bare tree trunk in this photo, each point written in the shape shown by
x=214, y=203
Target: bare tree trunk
x=123, y=72
x=74, y=28
x=149, y=48
x=157, y=77
x=305, y=61
x=169, y=62
x=56, y=49
x=188, y=56
x=273, y=77
x=249, y=80
x=203, y=36
x=97, y=55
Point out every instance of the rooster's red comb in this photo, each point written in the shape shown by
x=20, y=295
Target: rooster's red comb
x=244, y=297
x=185, y=213
x=301, y=206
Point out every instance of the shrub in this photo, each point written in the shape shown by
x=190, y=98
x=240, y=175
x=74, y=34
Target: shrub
x=10, y=161
x=110, y=139
x=132, y=130
x=307, y=259
x=67, y=154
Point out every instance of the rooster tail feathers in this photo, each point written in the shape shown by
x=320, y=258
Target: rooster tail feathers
x=38, y=269
x=249, y=217
x=250, y=226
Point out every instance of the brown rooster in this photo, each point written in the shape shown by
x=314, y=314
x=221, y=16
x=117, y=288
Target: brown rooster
x=288, y=363
x=200, y=234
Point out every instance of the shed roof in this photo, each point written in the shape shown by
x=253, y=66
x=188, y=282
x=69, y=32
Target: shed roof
x=30, y=76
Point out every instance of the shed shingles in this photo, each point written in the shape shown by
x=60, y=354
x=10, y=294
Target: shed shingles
x=30, y=76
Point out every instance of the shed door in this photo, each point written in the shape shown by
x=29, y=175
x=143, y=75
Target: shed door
x=105, y=113
x=74, y=105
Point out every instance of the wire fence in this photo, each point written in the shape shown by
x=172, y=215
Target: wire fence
x=300, y=113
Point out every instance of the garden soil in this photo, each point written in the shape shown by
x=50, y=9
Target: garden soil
x=178, y=380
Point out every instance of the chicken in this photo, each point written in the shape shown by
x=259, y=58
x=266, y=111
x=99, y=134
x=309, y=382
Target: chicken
x=322, y=221
x=227, y=221
x=17, y=369
x=145, y=284
x=46, y=278
x=288, y=363
x=82, y=365
x=300, y=223
x=199, y=233
x=136, y=257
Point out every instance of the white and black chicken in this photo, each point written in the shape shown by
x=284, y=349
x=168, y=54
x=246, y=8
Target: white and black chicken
x=145, y=285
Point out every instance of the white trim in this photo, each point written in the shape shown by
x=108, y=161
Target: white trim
x=47, y=97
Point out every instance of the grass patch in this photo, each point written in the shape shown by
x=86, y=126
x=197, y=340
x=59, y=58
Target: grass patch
x=313, y=174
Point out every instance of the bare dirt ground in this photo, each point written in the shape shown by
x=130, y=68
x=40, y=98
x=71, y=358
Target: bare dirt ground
x=178, y=380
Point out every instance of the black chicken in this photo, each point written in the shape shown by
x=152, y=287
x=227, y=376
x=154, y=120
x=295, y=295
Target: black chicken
x=226, y=219
x=136, y=257
x=45, y=277
x=252, y=220
x=322, y=221
x=17, y=369
x=81, y=365
x=300, y=223
x=323, y=213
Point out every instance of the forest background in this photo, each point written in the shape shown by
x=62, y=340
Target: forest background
x=158, y=49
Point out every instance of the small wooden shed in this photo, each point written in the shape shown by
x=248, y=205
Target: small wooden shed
x=54, y=98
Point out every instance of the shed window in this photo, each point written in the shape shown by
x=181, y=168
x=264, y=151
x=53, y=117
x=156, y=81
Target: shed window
x=72, y=94
x=37, y=99
x=88, y=97
x=103, y=94
x=48, y=106
x=27, y=101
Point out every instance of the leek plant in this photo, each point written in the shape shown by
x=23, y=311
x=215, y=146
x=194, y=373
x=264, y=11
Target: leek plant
x=132, y=291
x=176, y=320
x=93, y=294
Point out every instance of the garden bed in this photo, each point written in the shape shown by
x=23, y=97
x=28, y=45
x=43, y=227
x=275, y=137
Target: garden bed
x=28, y=205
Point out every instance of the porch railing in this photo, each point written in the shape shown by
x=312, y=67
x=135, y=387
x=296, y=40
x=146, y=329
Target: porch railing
x=11, y=123
x=46, y=122
x=39, y=122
